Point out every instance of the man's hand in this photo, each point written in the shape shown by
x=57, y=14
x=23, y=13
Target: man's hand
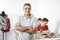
x=32, y=30
x=28, y=29
x=19, y=27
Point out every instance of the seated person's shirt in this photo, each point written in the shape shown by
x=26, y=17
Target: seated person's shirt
x=43, y=28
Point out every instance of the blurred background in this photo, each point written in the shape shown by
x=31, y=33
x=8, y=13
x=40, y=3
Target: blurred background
x=40, y=8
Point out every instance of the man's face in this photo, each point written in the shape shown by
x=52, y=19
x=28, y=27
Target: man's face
x=27, y=9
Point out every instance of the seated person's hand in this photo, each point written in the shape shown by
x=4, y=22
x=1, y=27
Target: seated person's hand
x=51, y=34
x=44, y=35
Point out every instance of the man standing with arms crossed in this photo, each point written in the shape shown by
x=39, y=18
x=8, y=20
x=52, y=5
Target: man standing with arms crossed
x=26, y=24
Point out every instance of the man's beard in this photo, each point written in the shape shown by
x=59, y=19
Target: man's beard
x=28, y=14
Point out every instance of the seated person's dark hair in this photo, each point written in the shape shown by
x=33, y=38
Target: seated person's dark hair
x=39, y=19
x=45, y=19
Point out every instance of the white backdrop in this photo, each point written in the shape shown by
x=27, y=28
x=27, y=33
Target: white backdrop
x=40, y=8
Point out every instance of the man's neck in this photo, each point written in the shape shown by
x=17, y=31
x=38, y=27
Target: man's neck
x=27, y=16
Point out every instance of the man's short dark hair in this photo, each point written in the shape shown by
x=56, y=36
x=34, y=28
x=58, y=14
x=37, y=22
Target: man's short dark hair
x=27, y=4
x=39, y=19
x=45, y=19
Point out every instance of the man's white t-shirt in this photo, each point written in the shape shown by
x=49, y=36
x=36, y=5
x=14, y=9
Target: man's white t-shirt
x=31, y=21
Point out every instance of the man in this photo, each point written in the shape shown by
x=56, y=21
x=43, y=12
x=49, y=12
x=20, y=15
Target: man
x=26, y=24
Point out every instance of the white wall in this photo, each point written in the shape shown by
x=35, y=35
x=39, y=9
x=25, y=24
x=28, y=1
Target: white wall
x=40, y=8
x=51, y=10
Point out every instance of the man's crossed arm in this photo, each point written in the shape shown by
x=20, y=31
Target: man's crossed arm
x=27, y=29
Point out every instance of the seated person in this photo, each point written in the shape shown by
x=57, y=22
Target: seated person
x=39, y=22
x=42, y=24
